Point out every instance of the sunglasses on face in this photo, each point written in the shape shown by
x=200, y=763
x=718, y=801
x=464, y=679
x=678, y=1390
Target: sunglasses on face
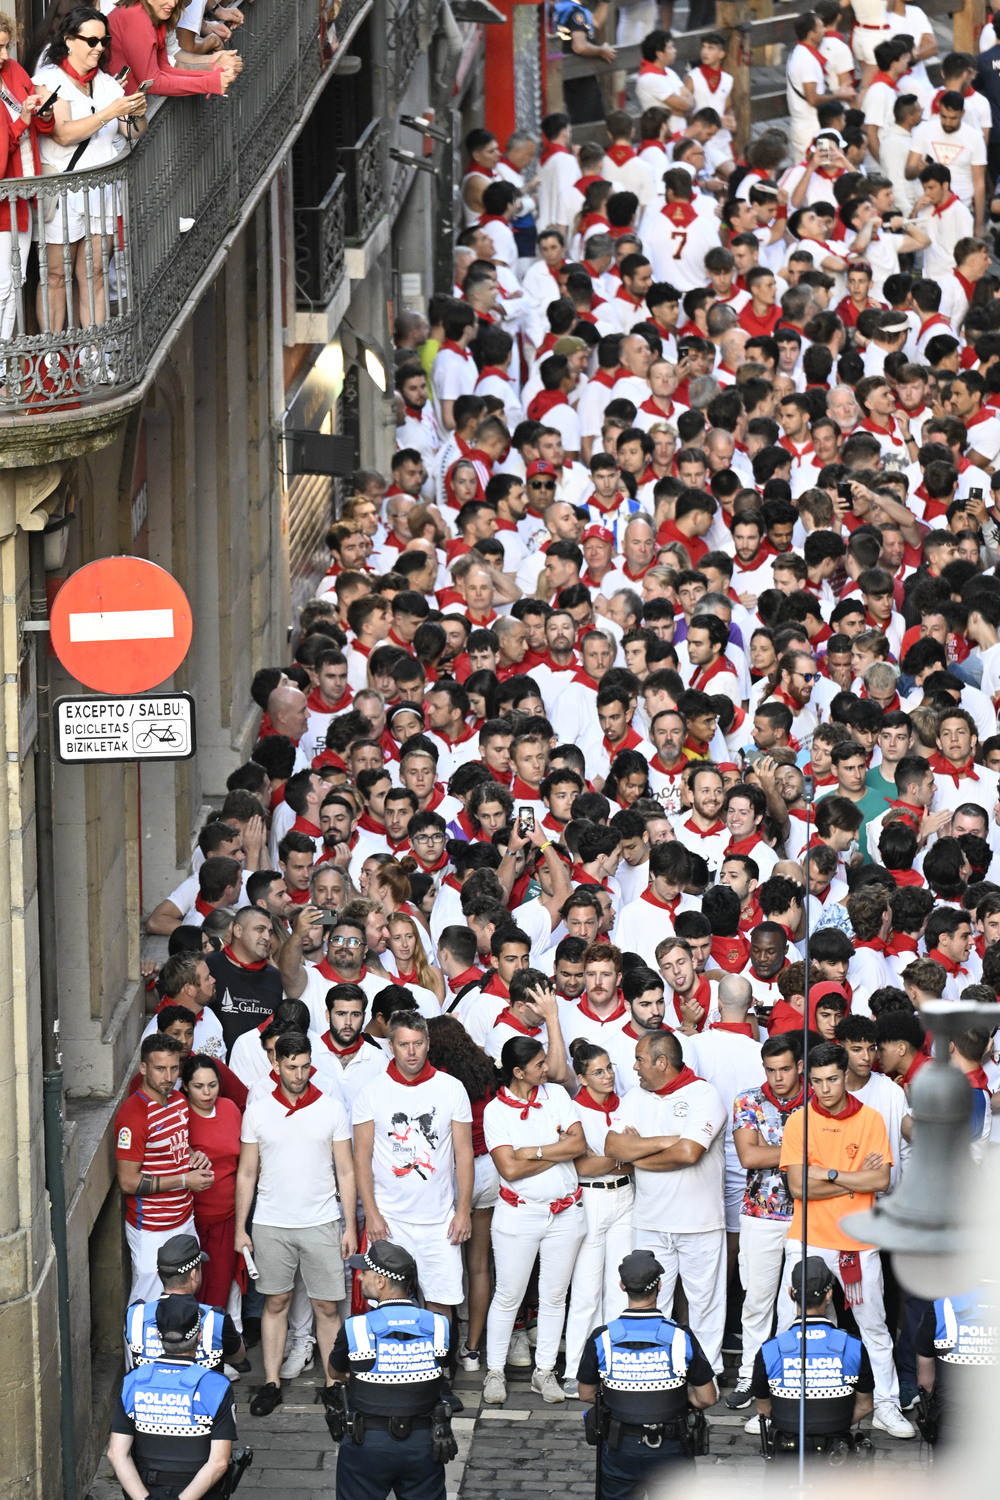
x=807, y=676
x=342, y=942
x=94, y=41
x=541, y=484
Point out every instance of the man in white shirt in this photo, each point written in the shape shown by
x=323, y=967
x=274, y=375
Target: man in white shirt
x=944, y=218
x=679, y=1212
x=454, y=372
x=892, y=58
x=413, y=1148
x=946, y=139
x=558, y=172
x=806, y=81
x=297, y=1142
x=858, y=1035
x=345, y=1052
x=676, y=237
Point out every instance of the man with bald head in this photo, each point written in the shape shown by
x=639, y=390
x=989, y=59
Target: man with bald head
x=288, y=711
x=513, y=645
x=719, y=447
x=562, y=524
x=728, y=1057
x=732, y=347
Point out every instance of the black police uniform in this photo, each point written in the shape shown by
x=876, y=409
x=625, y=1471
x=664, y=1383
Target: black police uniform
x=174, y=1410
x=962, y=1335
x=395, y=1355
x=643, y=1364
x=220, y=1339
x=837, y=1369
x=582, y=96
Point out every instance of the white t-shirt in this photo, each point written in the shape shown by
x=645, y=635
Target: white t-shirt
x=880, y=100
x=452, y=375
x=297, y=1186
x=503, y=1126
x=677, y=246
x=689, y=1201
x=325, y=1082
x=839, y=60
x=730, y=1063
x=803, y=67
x=207, y=1034
x=413, y=1161
x=352, y=1072
x=888, y=1098
x=960, y=151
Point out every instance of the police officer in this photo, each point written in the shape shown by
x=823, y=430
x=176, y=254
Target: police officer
x=646, y=1373
x=957, y=1338
x=173, y=1427
x=394, y=1425
x=839, y=1379
x=575, y=23
x=178, y=1263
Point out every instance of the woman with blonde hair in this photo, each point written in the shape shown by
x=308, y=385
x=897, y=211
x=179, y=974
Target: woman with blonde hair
x=406, y=947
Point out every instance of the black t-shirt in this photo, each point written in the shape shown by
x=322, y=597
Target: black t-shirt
x=957, y=1383
x=184, y=1455
x=231, y=1337
x=243, y=997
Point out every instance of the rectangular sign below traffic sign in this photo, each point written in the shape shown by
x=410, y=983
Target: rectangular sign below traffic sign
x=147, y=726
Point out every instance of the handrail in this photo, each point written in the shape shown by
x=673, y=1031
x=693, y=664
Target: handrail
x=166, y=203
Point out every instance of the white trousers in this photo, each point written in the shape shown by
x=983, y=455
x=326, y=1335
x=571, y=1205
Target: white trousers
x=595, y=1296
x=700, y=1262
x=869, y=1314
x=762, y=1250
x=143, y=1245
x=518, y=1235
x=8, y=293
x=802, y=134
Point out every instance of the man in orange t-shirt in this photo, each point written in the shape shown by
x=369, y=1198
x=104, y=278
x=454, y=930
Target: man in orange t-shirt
x=848, y=1163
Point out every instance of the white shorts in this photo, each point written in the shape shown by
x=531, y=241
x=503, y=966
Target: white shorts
x=439, y=1263
x=486, y=1188
x=736, y=1186
x=143, y=1245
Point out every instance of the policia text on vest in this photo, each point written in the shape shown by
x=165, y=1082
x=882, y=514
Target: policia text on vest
x=174, y=1419
x=649, y=1380
x=392, y=1422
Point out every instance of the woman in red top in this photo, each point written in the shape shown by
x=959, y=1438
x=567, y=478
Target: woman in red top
x=19, y=127
x=453, y=1051
x=214, y=1127
x=139, y=42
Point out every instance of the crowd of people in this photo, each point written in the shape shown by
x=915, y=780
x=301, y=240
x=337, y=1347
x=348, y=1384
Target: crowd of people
x=674, y=636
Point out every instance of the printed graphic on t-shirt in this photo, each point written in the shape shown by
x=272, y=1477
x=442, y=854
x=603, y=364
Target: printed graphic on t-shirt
x=412, y=1139
x=945, y=153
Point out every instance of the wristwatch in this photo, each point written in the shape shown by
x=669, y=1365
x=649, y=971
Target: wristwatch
x=538, y=1154
x=832, y=1175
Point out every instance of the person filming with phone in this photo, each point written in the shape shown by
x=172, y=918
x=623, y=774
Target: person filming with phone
x=88, y=109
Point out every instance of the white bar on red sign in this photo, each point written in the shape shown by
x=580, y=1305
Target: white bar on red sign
x=122, y=625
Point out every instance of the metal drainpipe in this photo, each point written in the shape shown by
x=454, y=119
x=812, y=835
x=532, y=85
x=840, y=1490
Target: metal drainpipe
x=52, y=1084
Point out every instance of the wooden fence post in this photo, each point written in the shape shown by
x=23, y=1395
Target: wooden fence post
x=731, y=15
x=967, y=23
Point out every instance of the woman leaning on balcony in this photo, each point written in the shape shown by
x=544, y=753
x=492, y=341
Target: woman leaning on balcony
x=90, y=112
x=139, y=41
x=19, y=157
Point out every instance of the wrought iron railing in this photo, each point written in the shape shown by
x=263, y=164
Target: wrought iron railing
x=404, y=44
x=319, y=249
x=363, y=193
x=169, y=202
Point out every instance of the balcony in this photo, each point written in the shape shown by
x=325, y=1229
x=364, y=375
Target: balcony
x=171, y=201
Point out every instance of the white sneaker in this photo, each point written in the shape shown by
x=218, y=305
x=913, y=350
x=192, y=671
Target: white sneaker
x=547, y=1386
x=888, y=1418
x=753, y=1426
x=230, y=1373
x=298, y=1358
x=519, y=1352
x=468, y=1358
x=571, y=1390
x=494, y=1388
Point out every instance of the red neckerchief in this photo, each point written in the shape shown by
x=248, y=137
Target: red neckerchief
x=731, y=953
x=739, y=1028
x=310, y=1096
x=317, y=704
x=202, y=906
x=620, y=154
x=454, y=348
x=523, y=1106
x=425, y=1073
x=680, y=213
x=297, y=898
x=343, y=1051
x=684, y=1077
x=650, y=896
x=409, y=978
x=817, y=54
x=900, y=943
x=698, y=748
x=628, y=742
x=586, y=1098
x=549, y=150
x=942, y=767
x=303, y=825
x=649, y=145
x=327, y=970
x=968, y=287
x=69, y=69
x=495, y=986
x=645, y=68
x=906, y=877
x=743, y=846
x=978, y=1080
x=370, y=824
x=670, y=771
x=948, y=964
x=783, y=1106
x=721, y=665
x=752, y=916
x=708, y=833
x=881, y=77
x=519, y=788
x=584, y=678
x=228, y=951
x=712, y=76
x=702, y=992
x=467, y=976
x=875, y=944
x=508, y=1018
x=585, y=1010
x=853, y=1107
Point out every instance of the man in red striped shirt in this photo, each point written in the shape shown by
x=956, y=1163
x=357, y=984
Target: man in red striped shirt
x=157, y=1172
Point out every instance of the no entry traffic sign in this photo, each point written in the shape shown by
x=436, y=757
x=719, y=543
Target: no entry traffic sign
x=121, y=625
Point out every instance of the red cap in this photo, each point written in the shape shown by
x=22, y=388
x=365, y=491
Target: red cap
x=600, y=534
x=540, y=466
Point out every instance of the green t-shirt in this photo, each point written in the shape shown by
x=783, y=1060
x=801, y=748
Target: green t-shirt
x=872, y=805
x=877, y=782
